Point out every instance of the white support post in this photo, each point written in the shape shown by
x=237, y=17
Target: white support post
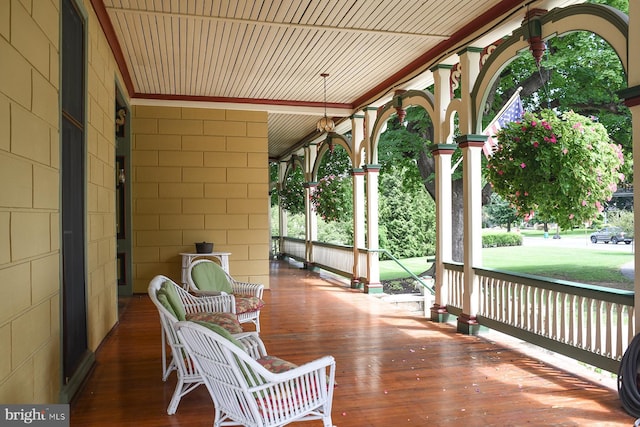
x=442, y=155
x=632, y=99
x=311, y=220
x=373, y=266
x=282, y=213
x=472, y=188
x=358, y=224
x=444, y=250
x=357, y=176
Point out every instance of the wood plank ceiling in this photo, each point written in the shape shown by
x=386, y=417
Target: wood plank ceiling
x=268, y=54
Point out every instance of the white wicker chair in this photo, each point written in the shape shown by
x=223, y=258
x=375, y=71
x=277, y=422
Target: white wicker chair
x=246, y=393
x=188, y=376
x=206, y=277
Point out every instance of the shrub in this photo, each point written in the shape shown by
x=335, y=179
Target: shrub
x=494, y=240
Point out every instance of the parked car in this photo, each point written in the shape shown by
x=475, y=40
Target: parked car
x=611, y=234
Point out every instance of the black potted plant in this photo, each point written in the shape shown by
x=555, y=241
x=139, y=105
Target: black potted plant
x=204, y=247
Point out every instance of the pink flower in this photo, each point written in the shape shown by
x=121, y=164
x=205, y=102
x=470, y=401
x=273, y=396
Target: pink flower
x=565, y=151
x=517, y=194
x=500, y=172
x=584, y=203
x=523, y=165
x=533, y=123
x=526, y=194
x=571, y=216
x=536, y=144
x=599, y=206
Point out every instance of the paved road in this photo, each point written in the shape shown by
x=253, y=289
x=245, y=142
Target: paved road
x=584, y=242
x=576, y=242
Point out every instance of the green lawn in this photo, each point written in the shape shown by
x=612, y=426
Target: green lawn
x=390, y=270
x=592, y=266
x=595, y=266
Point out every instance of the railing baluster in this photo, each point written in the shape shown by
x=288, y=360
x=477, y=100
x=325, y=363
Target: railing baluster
x=595, y=321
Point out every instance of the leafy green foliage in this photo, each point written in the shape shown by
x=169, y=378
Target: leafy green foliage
x=622, y=219
x=332, y=198
x=499, y=239
x=336, y=232
x=562, y=167
x=499, y=212
x=406, y=216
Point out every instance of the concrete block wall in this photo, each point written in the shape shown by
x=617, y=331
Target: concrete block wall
x=30, y=272
x=199, y=175
x=29, y=202
x=101, y=264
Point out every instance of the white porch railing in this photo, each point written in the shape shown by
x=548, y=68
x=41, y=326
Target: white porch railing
x=335, y=258
x=589, y=323
x=292, y=247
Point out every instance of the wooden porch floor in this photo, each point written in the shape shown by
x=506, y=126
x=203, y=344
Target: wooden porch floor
x=394, y=368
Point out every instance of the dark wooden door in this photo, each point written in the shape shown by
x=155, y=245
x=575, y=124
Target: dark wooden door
x=74, y=305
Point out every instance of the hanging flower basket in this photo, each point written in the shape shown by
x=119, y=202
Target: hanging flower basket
x=332, y=198
x=563, y=168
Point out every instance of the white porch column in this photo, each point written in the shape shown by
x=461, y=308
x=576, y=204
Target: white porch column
x=442, y=155
x=632, y=100
x=444, y=249
x=472, y=188
x=282, y=213
x=357, y=176
x=373, y=265
x=311, y=220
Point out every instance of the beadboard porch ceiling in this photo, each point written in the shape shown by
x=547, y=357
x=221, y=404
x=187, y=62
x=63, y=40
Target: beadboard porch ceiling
x=269, y=54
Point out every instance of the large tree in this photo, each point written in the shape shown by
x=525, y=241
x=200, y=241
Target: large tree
x=579, y=72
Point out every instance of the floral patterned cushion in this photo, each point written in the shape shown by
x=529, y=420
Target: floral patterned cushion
x=275, y=364
x=248, y=303
x=228, y=321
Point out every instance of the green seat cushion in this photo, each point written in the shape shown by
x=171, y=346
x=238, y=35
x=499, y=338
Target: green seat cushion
x=162, y=299
x=209, y=276
x=169, y=289
x=228, y=321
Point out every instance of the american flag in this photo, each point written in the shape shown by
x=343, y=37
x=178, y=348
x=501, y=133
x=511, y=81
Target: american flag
x=511, y=112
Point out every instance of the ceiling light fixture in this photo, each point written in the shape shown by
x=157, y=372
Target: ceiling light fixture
x=325, y=124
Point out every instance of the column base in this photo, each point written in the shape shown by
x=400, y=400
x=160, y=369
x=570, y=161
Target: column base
x=468, y=325
x=373, y=288
x=439, y=314
x=356, y=284
x=311, y=267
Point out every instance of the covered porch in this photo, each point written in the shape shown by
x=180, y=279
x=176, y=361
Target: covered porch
x=394, y=367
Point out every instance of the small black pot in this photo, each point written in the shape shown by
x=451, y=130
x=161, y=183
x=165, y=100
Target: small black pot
x=204, y=247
